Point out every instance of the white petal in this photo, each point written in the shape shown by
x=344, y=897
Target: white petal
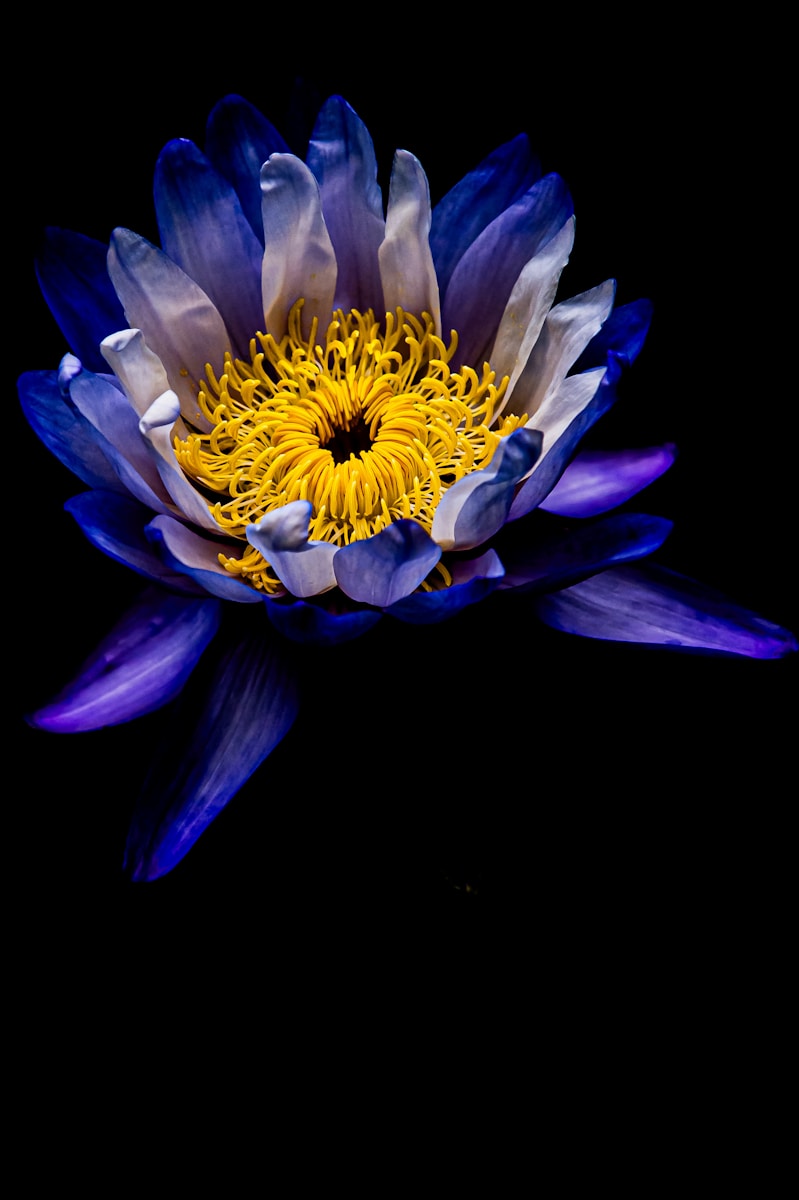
x=140, y=372
x=406, y=261
x=158, y=426
x=304, y=567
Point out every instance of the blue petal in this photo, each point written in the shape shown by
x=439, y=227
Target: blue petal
x=566, y=555
x=304, y=567
x=622, y=336
x=472, y=581
x=228, y=721
x=204, y=230
x=483, y=279
x=239, y=140
x=196, y=558
x=115, y=524
x=387, y=567
x=598, y=480
x=473, y=203
x=142, y=664
x=314, y=624
x=342, y=158
x=65, y=433
x=73, y=276
x=658, y=607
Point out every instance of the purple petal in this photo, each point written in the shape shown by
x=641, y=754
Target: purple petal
x=304, y=567
x=315, y=624
x=239, y=140
x=658, y=607
x=472, y=580
x=598, y=480
x=73, y=276
x=65, y=433
x=549, y=560
x=228, y=721
x=194, y=557
x=204, y=230
x=387, y=567
x=622, y=336
x=140, y=665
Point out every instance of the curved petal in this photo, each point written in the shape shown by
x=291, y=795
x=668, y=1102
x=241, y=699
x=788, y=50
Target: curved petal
x=140, y=665
x=227, y=722
x=566, y=555
x=204, y=231
x=342, y=158
x=472, y=580
x=238, y=141
x=179, y=322
x=304, y=567
x=140, y=372
x=73, y=275
x=598, y=480
x=197, y=558
x=406, y=262
x=477, y=506
x=299, y=261
x=157, y=425
x=483, y=279
x=387, y=567
x=65, y=433
x=477, y=199
x=315, y=625
x=115, y=524
x=655, y=606
x=622, y=336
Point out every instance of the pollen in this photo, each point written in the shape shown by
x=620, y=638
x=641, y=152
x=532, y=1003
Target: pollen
x=368, y=423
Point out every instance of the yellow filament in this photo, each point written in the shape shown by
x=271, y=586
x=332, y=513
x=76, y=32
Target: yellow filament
x=369, y=425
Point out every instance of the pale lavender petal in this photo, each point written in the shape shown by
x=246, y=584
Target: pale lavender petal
x=197, y=558
x=304, y=567
x=598, y=480
x=387, y=567
x=140, y=372
x=157, y=426
x=406, y=262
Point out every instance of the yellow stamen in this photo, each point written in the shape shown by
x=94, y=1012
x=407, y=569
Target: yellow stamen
x=371, y=425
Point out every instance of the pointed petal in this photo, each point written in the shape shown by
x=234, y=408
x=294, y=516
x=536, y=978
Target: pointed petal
x=342, y=158
x=180, y=324
x=598, y=480
x=197, y=558
x=140, y=372
x=204, y=231
x=564, y=556
x=227, y=722
x=473, y=203
x=406, y=262
x=238, y=141
x=483, y=279
x=299, y=261
x=472, y=580
x=656, y=606
x=477, y=506
x=140, y=665
x=387, y=567
x=65, y=433
x=115, y=524
x=73, y=276
x=315, y=625
x=304, y=567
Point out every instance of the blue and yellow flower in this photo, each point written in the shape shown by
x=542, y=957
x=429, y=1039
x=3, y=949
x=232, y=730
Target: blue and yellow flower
x=309, y=412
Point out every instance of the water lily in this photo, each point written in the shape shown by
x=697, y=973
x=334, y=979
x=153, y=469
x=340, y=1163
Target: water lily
x=306, y=412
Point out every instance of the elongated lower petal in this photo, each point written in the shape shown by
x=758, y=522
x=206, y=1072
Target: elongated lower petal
x=385, y=568
x=658, y=607
x=598, y=480
x=139, y=666
x=229, y=720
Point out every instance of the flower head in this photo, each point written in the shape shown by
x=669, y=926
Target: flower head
x=339, y=412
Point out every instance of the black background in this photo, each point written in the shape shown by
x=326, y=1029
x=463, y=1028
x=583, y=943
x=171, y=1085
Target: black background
x=595, y=806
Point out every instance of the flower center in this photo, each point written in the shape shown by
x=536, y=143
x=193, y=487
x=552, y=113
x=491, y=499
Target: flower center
x=369, y=424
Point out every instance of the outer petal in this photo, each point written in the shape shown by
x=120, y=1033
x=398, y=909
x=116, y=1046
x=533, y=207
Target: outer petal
x=203, y=229
x=142, y=664
x=115, y=524
x=73, y=276
x=659, y=607
x=477, y=506
x=621, y=337
x=197, y=558
x=481, y=196
x=387, y=567
x=238, y=141
x=65, y=433
x=342, y=158
x=299, y=261
x=303, y=566
x=598, y=480
x=406, y=262
x=472, y=580
x=315, y=625
x=227, y=723
x=179, y=322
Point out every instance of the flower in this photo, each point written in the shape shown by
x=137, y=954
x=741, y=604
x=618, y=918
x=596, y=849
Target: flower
x=301, y=414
